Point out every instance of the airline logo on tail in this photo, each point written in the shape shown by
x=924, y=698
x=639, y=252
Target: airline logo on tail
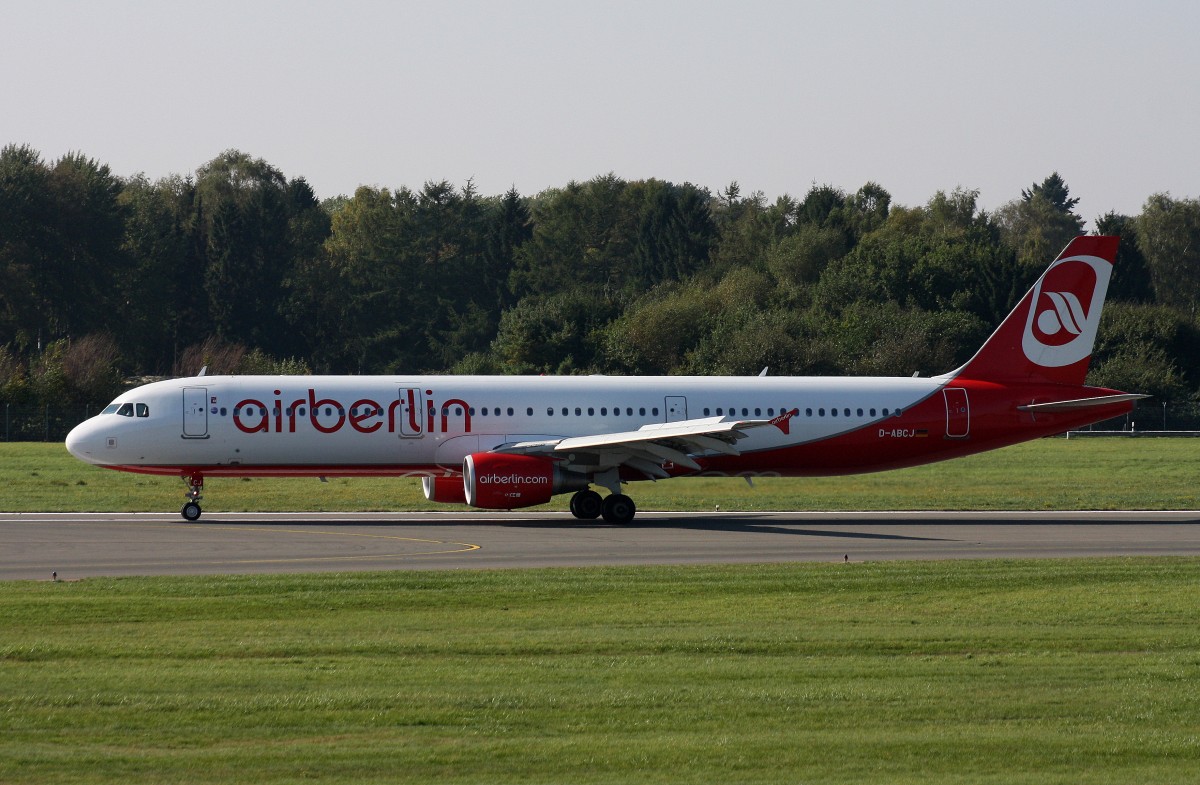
x=1065, y=311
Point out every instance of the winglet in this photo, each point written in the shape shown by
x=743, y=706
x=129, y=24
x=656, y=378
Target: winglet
x=783, y=421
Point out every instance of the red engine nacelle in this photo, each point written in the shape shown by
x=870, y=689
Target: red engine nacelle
x=447, y=490
x=496, y=481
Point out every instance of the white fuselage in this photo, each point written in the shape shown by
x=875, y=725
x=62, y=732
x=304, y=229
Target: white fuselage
x=428, y=424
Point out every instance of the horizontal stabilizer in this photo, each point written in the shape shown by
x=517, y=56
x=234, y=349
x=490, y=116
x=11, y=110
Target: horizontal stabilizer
x=1081, y=403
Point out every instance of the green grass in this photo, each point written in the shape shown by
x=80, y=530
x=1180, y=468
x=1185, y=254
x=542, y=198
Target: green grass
x=944, y=672
x=1107, y=473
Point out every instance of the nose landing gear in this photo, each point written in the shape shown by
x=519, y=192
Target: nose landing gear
x=191, y=508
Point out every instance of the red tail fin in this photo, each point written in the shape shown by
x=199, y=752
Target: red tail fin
x=1049, y=336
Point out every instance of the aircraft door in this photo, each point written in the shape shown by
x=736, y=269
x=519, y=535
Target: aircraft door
x=676, y=408
x=958, y=413
x=195, y=412
x=410, y=414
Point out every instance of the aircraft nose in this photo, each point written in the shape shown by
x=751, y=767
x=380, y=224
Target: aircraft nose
x=81, y=442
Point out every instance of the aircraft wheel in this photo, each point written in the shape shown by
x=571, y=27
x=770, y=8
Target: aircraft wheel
x=586, y=505
x=618, y=508
x=190, y=511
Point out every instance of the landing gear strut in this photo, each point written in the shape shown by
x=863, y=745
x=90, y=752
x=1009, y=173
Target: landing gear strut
x=191, y=508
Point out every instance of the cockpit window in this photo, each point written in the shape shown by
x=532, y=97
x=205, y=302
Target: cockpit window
x=126, y=410
x=110, y=409
x=142, y=409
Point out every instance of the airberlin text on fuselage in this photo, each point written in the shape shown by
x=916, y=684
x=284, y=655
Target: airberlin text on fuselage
x=365, y=415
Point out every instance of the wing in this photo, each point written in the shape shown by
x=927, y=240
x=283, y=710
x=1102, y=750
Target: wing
x=649, y=447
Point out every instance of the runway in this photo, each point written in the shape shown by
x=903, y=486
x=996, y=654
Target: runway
x=83, y=545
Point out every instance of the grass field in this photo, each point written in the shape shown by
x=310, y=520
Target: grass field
x=945, y=672
x=1106, y=473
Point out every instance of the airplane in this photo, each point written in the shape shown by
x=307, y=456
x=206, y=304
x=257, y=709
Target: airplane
x=508, y=442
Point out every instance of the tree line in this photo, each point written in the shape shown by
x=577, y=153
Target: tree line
x=237, y=267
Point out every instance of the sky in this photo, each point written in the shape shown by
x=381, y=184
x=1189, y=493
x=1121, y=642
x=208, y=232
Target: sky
x=778, y=96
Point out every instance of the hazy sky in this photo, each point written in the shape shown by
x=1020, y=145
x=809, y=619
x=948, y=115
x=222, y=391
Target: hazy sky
x=917, y=96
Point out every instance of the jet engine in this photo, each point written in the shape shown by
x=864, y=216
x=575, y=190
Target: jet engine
x=447, y=490
x=498, y=481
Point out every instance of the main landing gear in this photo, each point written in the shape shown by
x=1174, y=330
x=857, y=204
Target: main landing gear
x=615, y=508
x=191, y=508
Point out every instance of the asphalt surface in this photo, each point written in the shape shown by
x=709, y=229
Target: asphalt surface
x=33, y=546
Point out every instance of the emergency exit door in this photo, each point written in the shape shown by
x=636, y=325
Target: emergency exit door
x=676, y=408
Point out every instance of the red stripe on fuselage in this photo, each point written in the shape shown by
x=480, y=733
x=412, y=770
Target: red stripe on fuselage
x=288, y=470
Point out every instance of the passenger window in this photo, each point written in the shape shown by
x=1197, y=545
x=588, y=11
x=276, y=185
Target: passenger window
x=846, y=412
x=529, y=411
x=142, y=410
x=549, y=411
x=808, y=412
x=757, y=412
x=872, y=412
x=821, y=412
x=591, y=412
x=578, y=411
x=642, y=411
x=833, y=412
x=705, y=411
x=510, y=411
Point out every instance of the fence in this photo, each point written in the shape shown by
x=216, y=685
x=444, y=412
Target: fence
x=52, y=423
x=1149, y=415
x=42, y=423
